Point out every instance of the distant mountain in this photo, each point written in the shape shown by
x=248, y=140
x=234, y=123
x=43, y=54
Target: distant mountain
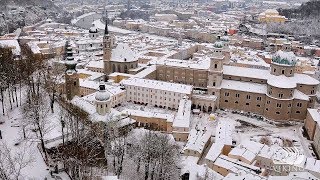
x=306, y=10
x=18, y=13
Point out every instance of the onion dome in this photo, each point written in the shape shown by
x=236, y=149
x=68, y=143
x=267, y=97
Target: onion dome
x=102, y=94
x=224, y=38
x=69, y=61
x=93, y=29
x=285, y=58
x=218, y=44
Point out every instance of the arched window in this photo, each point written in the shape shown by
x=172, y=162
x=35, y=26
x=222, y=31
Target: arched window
x=125, y=69
x=215, y=66
x=119, y=68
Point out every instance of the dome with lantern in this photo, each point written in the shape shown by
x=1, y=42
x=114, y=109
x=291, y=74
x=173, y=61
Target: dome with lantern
x=285, y=58
x=218, y=44
x=93, y=29
x=102, y=94
x=225, y=38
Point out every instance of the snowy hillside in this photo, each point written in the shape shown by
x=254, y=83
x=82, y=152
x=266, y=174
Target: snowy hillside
x=19, y=13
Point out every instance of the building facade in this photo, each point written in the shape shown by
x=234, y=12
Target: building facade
x=120, y=59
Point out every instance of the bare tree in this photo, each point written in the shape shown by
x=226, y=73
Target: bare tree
x=157, y=154
x=115, y=144
x=35, y=111
x=53, y=78
x=12, y=162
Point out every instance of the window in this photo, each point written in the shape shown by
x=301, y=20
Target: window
x=248, y=97
x=226, y=94
x=278, y=105
x=247, y=104
x=267, y=109
x=215, y=66
x=259, y=98
x=214, y=84
x=226, y=101
x=237, y=95
x=268, y=102
x=236, y=102
x=258, y=105
x=298, y=112
x=289, y=105
x=282, y=71
x=101, y=106
x=106, y=105
x=299, y=104
x=312, y=91
x=274, y=70
x=280, y=95
x=277, y=112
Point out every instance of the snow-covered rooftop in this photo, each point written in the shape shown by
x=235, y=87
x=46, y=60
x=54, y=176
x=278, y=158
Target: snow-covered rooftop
x=183, y=115
x=197, y=140
x=315, y=114
x=247, y=150
x=282, y=81
x=224, y=132
x=265, y=75
x=244, y=86
x=12, y=43
x=123, y=53
x=132, y=112
x=159, y=85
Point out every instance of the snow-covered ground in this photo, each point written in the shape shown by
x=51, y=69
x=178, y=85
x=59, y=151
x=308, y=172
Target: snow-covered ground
x=12, y=136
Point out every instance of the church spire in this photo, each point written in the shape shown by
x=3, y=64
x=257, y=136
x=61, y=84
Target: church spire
x=106, y=31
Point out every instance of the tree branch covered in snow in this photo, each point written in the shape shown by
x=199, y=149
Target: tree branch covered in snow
x=12, y=162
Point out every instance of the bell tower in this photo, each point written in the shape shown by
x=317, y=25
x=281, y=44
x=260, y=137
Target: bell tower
x=215, y=72
x=72, y=86
x=107, y=50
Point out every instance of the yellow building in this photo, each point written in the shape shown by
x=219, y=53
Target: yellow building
x=271, y=16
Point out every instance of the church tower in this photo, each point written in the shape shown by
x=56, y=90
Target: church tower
x=71, y=76
x=107, y=50
x=215, y=73
x=103, y=100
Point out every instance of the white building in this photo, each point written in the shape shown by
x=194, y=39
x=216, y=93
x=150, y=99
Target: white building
x=181, y=123
x=156, y=93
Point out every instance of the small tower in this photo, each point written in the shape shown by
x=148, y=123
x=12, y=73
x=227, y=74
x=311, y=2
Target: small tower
x=215, y=74
x=93, y=32
x=71, y=75
x=107, y=50
x=103, y=100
